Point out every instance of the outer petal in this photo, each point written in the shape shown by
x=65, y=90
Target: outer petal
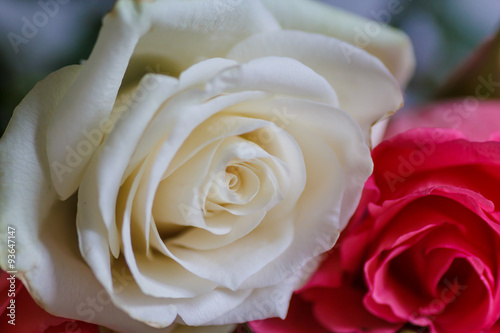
x=25, y=195
x=31, y=318
x=261, y=303
x=391, y=46
x=365, y=88
x=300, y=319
x=186, y=32
x=48, y=260
x=478, y=121
x=341, y=310
x=91, y=97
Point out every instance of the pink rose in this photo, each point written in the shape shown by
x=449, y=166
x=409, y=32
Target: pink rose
x=20, y=313
x=424, y=246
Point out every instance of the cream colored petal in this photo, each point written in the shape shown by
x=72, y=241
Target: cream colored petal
x=152, y=311
x=262, y=303
x=203, y=71
x=102, y=179
x=186, y=32
x=213, y=129
x=92, y=95
x=390, y=45
x=202, y=239
x=157, y=276
x=282, y=76
x=234, y=261
x=365, y=88
x=26, y=195
x=178, y=199
x=156, y=311
x=203, y=309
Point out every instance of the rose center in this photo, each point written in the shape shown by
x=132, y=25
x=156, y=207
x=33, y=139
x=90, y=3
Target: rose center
x=233, y=178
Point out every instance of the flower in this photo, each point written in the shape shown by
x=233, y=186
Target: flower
x=17, y=306
x=183, y=174
x=424, y=245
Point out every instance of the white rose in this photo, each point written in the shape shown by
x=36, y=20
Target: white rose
x=197, y=193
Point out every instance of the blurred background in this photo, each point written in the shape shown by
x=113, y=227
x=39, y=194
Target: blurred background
x=443, y=32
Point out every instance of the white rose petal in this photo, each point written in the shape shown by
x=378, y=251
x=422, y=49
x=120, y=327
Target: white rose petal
x=390, y=45
x=352, y=77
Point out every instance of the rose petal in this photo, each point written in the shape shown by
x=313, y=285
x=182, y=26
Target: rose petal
x=391, y=46
x=474, y=293
x=91, y=96
x=479, y=122
x=281, y=75
x=261, y=303
x=341, y=310
x=299, y=319
x=377, y=93
x=187, y=32
x=425, y=158
x=149, y=272
x=160, y=312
